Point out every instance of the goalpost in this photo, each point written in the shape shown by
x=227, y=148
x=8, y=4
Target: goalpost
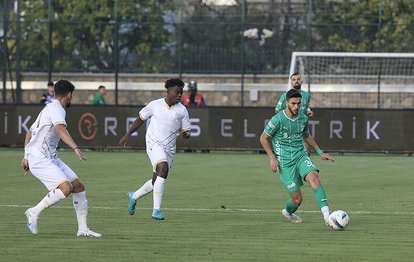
x=355, y=72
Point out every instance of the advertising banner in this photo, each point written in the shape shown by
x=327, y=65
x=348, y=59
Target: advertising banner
x=225, y=128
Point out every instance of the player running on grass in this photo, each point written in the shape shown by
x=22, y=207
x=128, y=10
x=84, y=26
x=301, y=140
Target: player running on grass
x=168, y=120
x=287, y=130
x=41, y=159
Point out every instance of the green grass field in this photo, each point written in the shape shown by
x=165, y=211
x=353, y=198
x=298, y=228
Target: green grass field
x=218, y=206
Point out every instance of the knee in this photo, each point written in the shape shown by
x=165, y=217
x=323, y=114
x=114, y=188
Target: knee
x=162, y=170
x=66, y=188
x=78, y=187
x=313, y=179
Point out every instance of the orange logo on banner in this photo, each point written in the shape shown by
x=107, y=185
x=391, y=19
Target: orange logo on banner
x=88, y=126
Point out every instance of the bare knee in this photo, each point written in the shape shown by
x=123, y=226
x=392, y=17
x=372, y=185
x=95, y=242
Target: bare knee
x=77, y=186
x=66, y=188
x=162, y=170
x=313, y=179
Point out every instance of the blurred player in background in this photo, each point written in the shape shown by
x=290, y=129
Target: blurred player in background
x=296, y=83
x=193, y=98
x=42, y=161
x=168, y=120
x=49, y=95
x=287, y=131
x=98, y=98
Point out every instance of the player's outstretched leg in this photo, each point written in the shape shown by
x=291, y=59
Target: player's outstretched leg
x=322, y=201
x=133, y=197
x=33, y=213
x=131, y=203
x=291, y=217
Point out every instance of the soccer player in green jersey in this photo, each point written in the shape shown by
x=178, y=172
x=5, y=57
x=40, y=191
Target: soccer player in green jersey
x=296, y=83
x=283, y=139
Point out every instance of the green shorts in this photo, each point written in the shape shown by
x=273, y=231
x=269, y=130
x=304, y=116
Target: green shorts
x=292, y=176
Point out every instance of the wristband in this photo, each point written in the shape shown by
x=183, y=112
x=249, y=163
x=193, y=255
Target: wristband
x=75, y=148
x=319, y=152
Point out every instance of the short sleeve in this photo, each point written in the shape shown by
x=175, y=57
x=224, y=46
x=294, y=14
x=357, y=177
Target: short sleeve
x=185, y=121
x=281, y=104
x=272, y=126
x=146, y=112
x=57, y=113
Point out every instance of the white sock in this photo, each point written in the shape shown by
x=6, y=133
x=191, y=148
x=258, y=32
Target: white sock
x=158, y=190
x=144, y=190
x=80, y=203
x=49, y=200
x=325, y=212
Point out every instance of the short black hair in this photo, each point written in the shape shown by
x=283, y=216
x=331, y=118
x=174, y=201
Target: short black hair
x=63, y=87
x=50, y=83
x=294, y=74
x=293, y=93
x=174, y=82
x=101, y=87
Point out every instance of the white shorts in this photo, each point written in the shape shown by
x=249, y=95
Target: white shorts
x=158, y=154
x=51, y=172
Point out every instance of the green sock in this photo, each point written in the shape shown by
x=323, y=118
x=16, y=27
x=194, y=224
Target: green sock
x=320, y=197
x=290, y=207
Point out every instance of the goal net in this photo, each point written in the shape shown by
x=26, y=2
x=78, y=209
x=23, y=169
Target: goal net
x=382, y=76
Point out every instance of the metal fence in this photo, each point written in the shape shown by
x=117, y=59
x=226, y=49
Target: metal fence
x=187, y=37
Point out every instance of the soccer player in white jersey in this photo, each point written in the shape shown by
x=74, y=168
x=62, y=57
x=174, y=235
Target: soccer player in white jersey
x=168, y=120
x=41, y=160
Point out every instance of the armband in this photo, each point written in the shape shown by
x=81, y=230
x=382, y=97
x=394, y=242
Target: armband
x=319, y=152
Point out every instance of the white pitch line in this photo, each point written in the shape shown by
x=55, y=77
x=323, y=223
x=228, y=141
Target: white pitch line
x=359, y=212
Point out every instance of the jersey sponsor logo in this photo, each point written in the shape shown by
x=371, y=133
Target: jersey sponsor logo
x=271, y=125
x=292, y=136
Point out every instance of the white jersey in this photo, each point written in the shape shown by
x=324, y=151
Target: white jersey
x=166, y=123
x=44, y=139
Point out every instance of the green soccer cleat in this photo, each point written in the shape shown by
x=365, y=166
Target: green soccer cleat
x=157, y=214
x=131, y=203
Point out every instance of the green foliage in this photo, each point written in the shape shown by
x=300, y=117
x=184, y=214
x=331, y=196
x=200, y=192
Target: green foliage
x=83, y=35
x=363, y=26
x=221, y=206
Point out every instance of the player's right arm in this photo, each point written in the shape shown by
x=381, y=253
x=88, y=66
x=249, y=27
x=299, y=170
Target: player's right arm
x=25, y=162
x=134, y=127
x=274, y=163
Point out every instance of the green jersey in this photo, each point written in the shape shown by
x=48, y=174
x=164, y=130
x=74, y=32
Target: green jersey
x=287, y=137
x=304, y=104
x=98, y=99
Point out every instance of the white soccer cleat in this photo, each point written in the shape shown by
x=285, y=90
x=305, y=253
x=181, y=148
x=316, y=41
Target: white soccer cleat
x=88, y=233
x=31, y=222
x=291, y=217
x=326, y=221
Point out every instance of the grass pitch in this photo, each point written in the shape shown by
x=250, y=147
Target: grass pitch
x=218, y=206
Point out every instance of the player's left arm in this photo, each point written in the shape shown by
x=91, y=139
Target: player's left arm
x=185, y=125
x=311, y=142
